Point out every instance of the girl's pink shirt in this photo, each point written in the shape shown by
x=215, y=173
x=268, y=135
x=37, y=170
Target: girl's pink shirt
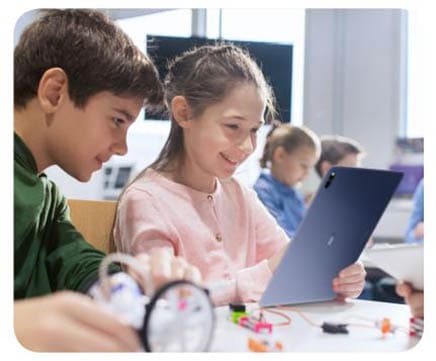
x=227, y=234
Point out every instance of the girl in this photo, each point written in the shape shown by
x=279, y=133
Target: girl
x=290, y=153
x=187, y=199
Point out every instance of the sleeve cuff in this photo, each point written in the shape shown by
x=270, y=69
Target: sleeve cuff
x=251, y=282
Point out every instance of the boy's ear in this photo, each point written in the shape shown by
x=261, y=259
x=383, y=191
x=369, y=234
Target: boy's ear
x=325, y=166
x=52, y=89
x=181, y=111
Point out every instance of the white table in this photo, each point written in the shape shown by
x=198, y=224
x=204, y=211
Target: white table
x=301, y=336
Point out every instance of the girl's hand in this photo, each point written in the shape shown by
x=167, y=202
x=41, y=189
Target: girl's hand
x=350, y=281
x=164, y=267
x=274, y=261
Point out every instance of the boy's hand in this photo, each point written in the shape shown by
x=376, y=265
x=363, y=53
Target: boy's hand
x=69, y=321
x=418, y=233
x=415, y=299
x=350, y=281
x=165, y=267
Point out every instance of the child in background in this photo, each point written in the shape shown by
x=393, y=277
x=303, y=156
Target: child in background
x=338, y=151
x=188, y=201
x=415, y=229
x=289, y=154
x=79, y=83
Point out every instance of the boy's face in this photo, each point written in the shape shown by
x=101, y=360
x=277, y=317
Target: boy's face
x=221, y=138
x=81, y=140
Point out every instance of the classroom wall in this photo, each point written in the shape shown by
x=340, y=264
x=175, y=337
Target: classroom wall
x=354, y=77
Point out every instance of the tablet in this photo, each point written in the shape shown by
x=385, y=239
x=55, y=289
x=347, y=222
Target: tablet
x=341, y=218
x=405, y=262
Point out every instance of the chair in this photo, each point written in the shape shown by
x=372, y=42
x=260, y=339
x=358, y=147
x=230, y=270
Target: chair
x=94, y=220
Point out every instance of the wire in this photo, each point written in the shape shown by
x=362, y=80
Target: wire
x=301, y=314
x=287, y=318
x=373, y=324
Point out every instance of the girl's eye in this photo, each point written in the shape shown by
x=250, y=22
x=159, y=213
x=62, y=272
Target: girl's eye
x=255, y=130
x=232, y=126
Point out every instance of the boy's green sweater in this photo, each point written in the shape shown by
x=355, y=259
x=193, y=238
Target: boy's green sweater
x=49, y=254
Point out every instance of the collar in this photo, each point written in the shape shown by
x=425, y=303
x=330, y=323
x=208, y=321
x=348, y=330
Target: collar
x=192, y=194
x=23, y=155
x=280, y=186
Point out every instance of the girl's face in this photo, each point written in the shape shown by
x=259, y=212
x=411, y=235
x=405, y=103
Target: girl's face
x=292, y=168
x=224, y=135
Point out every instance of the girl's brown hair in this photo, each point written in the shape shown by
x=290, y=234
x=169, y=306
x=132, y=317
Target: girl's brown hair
x=290, y=138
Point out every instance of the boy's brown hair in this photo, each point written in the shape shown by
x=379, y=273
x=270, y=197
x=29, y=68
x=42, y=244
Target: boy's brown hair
x=94, y=52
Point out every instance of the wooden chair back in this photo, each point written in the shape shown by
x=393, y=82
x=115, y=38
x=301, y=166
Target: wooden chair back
x=94, y=219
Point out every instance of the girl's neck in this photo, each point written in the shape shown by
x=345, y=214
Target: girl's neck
x=186, y=173
x=277, y=174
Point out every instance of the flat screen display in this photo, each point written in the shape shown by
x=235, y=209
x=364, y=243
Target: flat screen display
x=274, y=59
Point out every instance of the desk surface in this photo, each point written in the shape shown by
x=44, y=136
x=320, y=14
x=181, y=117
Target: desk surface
x=301, y=336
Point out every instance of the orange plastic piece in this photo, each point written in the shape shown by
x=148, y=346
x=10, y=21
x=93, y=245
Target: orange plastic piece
x=264, y=346
x=256, y=346
x=279, y=346
x=385, y=326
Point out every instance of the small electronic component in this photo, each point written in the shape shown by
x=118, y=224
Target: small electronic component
x=385, y=326
x=256, y=325
x=235, y=316
x=237, y=307
x=329, y=327
x=237, y=311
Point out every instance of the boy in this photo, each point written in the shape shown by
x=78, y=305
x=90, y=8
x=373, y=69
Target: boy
x=338, y=151
x=79, y=83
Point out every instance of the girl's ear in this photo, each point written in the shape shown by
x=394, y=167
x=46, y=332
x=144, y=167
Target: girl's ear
x=278, y=154
x=52, y=89
x=181, y=111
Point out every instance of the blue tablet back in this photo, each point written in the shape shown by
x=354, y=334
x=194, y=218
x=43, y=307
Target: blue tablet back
x=343, y=214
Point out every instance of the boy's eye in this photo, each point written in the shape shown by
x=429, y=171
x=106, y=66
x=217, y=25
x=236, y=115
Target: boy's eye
x=118, y=121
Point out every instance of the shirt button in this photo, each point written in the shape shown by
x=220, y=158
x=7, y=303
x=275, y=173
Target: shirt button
x=218, y=237
x=209, y=197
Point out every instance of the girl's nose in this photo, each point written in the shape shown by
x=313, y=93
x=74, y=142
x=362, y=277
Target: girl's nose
x=247, y=145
